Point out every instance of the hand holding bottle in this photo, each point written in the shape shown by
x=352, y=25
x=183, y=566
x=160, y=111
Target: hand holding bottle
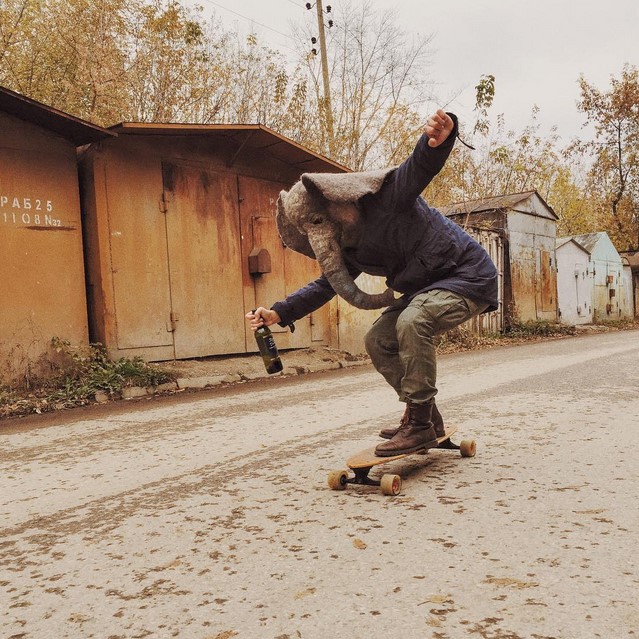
x=262, y=317
x=260, y=320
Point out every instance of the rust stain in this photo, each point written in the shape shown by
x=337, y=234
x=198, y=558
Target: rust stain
x=205, y=180
x=168, y=176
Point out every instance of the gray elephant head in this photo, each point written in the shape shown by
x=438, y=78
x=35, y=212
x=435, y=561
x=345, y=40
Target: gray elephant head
x=319, y=217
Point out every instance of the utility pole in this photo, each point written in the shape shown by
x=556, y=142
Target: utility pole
x=328, y=110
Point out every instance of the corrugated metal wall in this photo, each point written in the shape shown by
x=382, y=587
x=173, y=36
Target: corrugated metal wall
x=493, y=244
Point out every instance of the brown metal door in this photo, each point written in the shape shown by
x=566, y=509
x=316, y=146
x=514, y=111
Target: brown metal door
x=203, y=237
x=137, y=243
x=288, y=271
x=259, y=233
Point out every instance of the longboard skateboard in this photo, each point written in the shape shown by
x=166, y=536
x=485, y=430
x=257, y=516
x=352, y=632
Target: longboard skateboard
x=362, y=463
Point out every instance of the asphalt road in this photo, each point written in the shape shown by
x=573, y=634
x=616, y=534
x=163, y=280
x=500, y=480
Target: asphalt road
x=208, y=516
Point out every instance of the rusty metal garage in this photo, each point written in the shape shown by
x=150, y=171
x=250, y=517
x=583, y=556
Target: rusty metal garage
x=41, y=272
x=528, y=227
x=180, y=221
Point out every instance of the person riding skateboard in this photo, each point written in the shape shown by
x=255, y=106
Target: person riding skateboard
x=377, y=222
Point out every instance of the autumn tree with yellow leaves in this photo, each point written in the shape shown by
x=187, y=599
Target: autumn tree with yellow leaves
x=156, y=60
x=613, y=181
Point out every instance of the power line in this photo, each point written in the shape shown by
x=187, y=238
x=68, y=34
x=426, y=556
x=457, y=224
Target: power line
x=239, y=15
x=306, y=6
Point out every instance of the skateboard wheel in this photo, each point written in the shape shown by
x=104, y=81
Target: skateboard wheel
x=337, y=479
x=391, y=484
x=467, y=448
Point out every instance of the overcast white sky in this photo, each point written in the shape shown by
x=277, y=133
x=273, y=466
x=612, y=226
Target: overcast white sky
x=536, y=49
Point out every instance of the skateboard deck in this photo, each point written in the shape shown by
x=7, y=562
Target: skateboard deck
x=361, y=464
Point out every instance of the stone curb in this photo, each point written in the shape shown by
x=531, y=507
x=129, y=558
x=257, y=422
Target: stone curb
x=216, y=380
x=182, y=383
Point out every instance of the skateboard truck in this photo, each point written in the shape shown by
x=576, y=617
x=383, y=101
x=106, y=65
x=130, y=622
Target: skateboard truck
x=362, y=477
x=390, y=484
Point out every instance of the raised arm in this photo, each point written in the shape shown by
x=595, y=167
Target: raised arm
x=424, y=163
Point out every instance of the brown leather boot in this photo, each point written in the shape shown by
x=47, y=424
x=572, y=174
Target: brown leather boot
x=438, y=421
x=435, y=417
x=416, y=433
x=389, y=433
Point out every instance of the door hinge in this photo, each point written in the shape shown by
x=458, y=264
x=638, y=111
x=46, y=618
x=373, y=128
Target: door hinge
x=164, y=204
x=171, y=325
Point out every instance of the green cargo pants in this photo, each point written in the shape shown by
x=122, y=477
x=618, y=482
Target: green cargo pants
x=401, y=342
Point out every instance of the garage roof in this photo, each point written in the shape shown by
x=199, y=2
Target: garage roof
x=245, y=138
x=69, y=127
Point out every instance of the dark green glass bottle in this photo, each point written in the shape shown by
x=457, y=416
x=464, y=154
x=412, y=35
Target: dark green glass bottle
x=268, y=350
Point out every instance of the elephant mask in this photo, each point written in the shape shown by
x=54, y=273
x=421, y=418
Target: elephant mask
x=319, y=217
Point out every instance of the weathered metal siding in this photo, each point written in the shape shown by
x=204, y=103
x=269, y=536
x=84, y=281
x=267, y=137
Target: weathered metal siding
x=127, y=252
x=41, y=273
x=204, y=251
x=493, y=322
x=176, y=225
x=533, y=268
x=490, y=237
x=527, y=226
x=607, y=280
x=283, y=270
x=630, y=261
x=627, y=291
x=610, y=300
x=574, y=284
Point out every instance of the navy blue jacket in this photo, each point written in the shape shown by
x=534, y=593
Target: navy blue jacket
x=414, y=246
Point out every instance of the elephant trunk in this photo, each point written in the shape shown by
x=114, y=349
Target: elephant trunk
x=329, y=256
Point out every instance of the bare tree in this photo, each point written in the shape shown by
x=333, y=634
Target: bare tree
x=378, y=82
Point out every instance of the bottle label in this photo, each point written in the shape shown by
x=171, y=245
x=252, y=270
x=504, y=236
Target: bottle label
x=270, y=344
x=268, y=350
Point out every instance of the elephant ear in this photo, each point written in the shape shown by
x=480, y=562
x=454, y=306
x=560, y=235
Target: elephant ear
x=289, y=233
x=345, y=187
